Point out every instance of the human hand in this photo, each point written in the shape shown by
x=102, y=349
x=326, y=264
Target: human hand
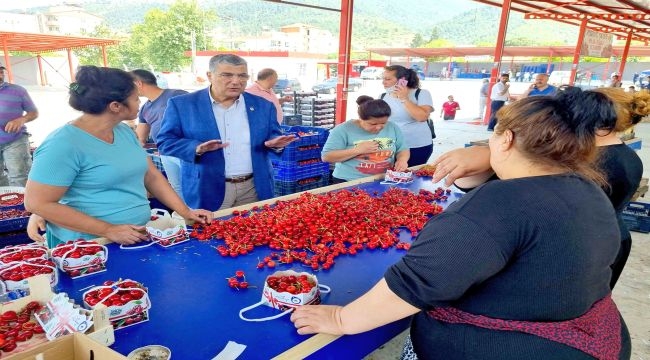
x=286, y=98
x=15, y=125
x=210, y=145
x=280, y=141
x=401, y=92
x=199, y=216
x=35, y=226
x=401, y=165
x=125, y=234
x=367, y=147
x=460, y=163
x=311, y=319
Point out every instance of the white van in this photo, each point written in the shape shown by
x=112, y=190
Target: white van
x=372, y=73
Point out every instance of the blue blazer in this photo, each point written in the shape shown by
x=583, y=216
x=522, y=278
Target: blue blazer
x=189, y=121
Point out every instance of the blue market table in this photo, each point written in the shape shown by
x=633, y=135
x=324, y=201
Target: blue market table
x=195, y=313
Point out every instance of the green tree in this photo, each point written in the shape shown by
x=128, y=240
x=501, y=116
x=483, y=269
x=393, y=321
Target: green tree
x=93, y=55
x=163, y=38
x=417, y=41
x=435, y=34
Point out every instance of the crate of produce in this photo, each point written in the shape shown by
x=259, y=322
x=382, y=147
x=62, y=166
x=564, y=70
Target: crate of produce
x=12, y=196
x=13, y=219
x=637, y=217
x=289, y=187
x=294, y=170
x=292, y=120
x=307, y=135
x=298, y=153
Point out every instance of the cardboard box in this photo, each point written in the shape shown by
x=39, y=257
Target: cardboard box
x=70, y=347
x=40, y=291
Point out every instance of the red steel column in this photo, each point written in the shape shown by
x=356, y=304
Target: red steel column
x=70, y=65
x=104, y=57
x=7, y=60
x=343, y=67
x=40, y=69
x=626, y=51
x=576, y=53
x=498, y=54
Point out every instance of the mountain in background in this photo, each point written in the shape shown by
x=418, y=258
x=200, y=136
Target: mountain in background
x=376, y=23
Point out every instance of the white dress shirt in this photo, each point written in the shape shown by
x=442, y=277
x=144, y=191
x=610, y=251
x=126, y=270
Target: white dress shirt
x=234, y=128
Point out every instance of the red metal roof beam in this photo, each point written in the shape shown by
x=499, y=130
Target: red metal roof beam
x=630, y=16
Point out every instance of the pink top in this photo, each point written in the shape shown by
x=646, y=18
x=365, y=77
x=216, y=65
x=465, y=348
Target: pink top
x=269, y=95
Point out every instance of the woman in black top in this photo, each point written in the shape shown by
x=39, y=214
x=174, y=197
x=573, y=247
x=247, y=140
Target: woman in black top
x=519, y=267
x=621, y=165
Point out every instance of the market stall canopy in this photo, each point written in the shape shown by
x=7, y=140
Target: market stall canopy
x=40, y=43
x=564, y=51
x=618, y=17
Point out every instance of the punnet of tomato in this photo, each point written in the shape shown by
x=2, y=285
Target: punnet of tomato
x=15, y=275
x=25, y=252
x=286, y=290
x=127, y=301
x=80, y=257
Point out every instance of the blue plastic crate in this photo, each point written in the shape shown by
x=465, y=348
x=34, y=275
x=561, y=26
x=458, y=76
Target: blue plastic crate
x=291, y=170
x=318, y=137
x=14, y=224
x=290, y=187
x=297, y=153
x=637, y=217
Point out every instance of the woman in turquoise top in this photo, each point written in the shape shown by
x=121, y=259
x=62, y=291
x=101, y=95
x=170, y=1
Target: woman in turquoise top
x=366, y=146
x=90, y=177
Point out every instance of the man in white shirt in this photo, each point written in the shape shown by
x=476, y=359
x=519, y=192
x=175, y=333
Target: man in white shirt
x=498, y=98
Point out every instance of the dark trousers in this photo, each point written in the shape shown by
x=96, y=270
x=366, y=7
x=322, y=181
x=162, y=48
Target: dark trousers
x=420, y=155
x=336, y=180
x=495, y=105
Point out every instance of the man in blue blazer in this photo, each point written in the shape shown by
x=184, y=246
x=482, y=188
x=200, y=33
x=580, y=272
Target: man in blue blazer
x=222, y=136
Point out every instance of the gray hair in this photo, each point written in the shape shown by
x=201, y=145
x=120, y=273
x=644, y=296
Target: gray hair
x=230, y=59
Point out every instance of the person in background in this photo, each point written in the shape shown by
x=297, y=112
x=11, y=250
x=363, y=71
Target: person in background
x=449, y=108
x=483, y=95
x=366, y=146
x=635, y=78
x=263, y=87
x=410, y=109
x=16, y=109
x=150, y=118
x=646, y=86
x=622, y=166
x=479, y=286
x=540, y=87
x=615, y=81
x=498, y=98
x=223, y=136
x=91, y=176
x=631, y=89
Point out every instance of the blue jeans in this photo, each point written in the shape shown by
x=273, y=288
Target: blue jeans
x=495, y=105
x=17, y=161
x=172, y=167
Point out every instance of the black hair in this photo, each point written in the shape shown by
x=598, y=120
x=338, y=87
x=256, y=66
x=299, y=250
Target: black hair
x=589, y=108
x=95, y=88
x=145, y=76
x=412, y=79
x=371, y=108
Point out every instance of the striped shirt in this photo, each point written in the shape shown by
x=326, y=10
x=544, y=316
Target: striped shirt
x=14, y=102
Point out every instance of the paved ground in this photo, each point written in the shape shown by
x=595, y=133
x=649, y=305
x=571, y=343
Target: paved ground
x=633, y=291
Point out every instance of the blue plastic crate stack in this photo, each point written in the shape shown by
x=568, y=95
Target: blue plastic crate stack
x=637, y=217
x=299, y=166
x=13, y=216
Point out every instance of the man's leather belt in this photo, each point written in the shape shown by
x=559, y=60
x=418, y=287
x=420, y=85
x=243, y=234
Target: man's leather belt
x=239, y=179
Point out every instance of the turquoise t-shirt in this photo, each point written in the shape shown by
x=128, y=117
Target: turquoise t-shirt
x=105, y=181
x=349, y=134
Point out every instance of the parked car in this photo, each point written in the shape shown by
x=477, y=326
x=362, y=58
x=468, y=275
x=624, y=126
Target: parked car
x=372, y=73
x=287, y=85
x=329, y=86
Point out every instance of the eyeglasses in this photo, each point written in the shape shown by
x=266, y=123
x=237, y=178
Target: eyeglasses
x=230, y=76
